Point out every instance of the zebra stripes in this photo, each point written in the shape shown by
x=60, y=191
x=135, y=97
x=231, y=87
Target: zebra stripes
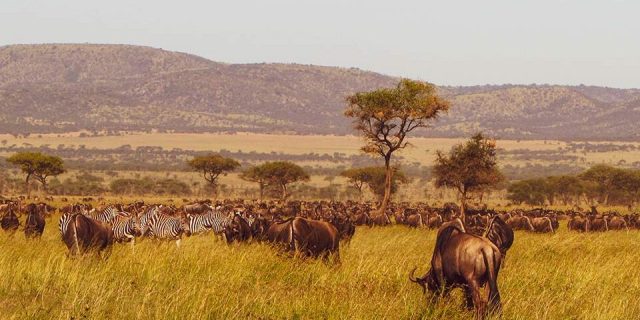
x=212, y=220
x=146, y=218
x=125, y=227
x=63, y=224
x=167, y=227
x=107, y=215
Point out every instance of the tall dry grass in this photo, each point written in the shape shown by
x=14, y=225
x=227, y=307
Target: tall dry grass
x=561, y=276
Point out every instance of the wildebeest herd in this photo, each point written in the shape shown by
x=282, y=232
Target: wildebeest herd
x=467, y=254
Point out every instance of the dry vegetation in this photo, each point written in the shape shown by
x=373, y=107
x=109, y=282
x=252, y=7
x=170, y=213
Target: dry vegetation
x=422, y=149
x=561, y=276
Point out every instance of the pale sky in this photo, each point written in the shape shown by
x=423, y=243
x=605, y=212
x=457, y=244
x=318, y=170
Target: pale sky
x=450, y=42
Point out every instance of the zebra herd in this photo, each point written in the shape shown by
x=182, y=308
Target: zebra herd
x=155, y=221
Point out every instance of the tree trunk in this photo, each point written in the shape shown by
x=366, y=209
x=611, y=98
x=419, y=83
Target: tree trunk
x=28, y=187
x=261, y=191
x=214, y=188
x=284, y=192
x=387, y=184
x=463, y=206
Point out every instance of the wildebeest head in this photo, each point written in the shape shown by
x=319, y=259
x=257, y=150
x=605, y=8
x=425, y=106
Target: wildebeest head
x=427, y=282
x=237, y=230
x=500, y=234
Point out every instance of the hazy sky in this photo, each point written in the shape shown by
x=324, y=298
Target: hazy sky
x=445, y=42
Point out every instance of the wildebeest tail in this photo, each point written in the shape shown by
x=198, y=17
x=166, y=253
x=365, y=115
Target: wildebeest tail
x=492, y=263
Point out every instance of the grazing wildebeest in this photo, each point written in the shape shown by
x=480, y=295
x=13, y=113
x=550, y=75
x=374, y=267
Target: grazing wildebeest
x=618, y=223
x=345, y=227
x=520, y=223
x=34, y=226
x=500, y=234
x=542, y=224
x=598, y=223
x=362, y=219
x=579, y=223
x=311, y=238
x=414, y=220
x=466, y=261
x=381, y=220
x=196, y=208
x=81, y=233
x=434, y=221
x=237, y=230
x=259, y=228
x=10, y=222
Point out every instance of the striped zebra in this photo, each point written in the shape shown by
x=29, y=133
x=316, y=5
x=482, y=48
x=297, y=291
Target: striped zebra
x=63, y=224
x=211, y=220
x=126, y=227
x=145, y=218
x=107, y=215
x=162, y=226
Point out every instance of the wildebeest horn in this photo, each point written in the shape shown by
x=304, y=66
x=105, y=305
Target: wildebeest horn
x=412, y=277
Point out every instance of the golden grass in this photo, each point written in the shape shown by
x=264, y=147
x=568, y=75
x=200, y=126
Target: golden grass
x=423, y=149
x=561, y=276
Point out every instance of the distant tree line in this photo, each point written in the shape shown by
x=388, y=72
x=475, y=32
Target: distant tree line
x=600, y=184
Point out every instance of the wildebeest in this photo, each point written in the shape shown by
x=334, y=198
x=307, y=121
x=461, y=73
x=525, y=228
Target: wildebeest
x=542, y=224
x=618, y=223
x=598, y=223
x=381, y=220
x=34, y=226
x=520, y=223
x=311, y=238
x=237, y=230
x=82, y=234
x=579, y=223
x=10, y=222
x=362, y=219
x=345, y=227
x=434, y=221
x=465, y=261
x=500, y=234
x=414, y=220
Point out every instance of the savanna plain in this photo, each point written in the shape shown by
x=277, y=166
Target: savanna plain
x=565, y=275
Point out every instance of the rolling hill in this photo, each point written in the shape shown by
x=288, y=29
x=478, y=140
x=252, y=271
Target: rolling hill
x=71, y=87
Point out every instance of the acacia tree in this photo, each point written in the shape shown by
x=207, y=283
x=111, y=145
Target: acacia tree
x=37, y=165
x=467, y=168
x=385, y=116
x=604, y=178
x=280, y=174
x=255, y=174
x=374, y=178
x=212, y=166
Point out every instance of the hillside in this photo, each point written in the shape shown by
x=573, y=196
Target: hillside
x=60, y=88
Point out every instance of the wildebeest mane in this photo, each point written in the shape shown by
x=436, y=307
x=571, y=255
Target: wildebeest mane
x=500, y=234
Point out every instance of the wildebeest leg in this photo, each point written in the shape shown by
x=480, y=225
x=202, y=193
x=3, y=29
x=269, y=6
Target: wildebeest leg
x=478, y=302
x=468, y=298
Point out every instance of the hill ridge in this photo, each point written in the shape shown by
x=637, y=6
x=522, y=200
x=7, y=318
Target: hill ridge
x=118, y=87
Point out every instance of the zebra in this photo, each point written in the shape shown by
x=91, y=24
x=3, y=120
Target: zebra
x=145, y=218
x=211, y=220
x=126, y=227
x=162, y=226
x=107, y=215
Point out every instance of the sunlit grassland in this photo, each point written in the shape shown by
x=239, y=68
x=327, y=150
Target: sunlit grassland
x=422, y=149
x=561, y=276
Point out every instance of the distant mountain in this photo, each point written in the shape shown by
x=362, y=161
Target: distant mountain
x=71, y=87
